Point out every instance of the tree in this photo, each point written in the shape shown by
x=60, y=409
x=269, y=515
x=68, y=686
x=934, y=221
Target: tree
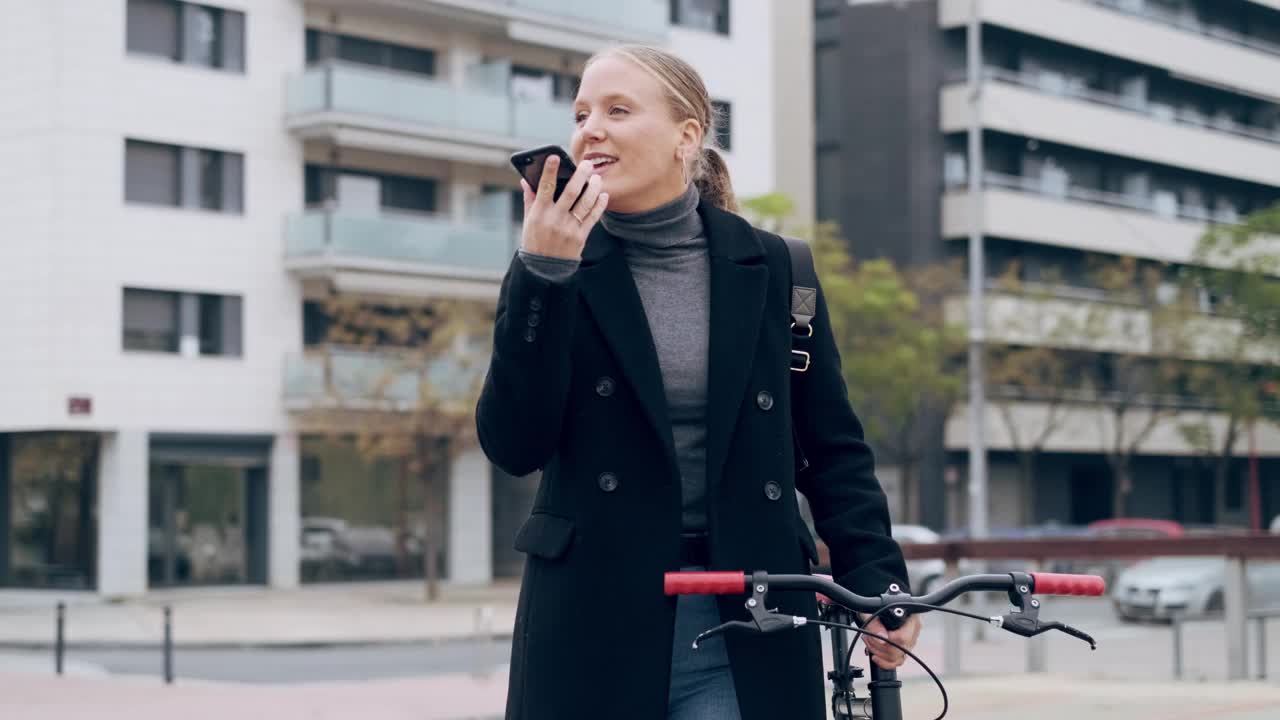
x=1018, y=374
x=402, y=382
x=897, y=352
x=1238, y=268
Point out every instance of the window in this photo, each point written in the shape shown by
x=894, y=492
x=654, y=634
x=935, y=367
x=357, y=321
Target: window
x=709, y=15
x=151, y=320
x=530, y=83
x=724, y=123
x=159, y=174
x=325, y=185
x=187, y=323
x=219, y=324
x=151, y=173
x=186, y=33
x=323, y=46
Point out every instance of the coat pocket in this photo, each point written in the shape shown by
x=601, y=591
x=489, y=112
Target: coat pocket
x=545, y=535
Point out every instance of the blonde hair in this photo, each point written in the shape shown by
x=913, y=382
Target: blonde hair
x=688, y=99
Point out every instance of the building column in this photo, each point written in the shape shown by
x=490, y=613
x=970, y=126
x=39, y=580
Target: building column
x=122, y=514
x=284, y=508
x=470, y=520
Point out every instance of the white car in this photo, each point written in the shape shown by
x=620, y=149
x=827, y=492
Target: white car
x=1160, y=588
x=922, y=574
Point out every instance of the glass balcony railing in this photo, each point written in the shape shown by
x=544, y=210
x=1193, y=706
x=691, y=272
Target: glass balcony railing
x=1187, y=22
x=1061, y=86
x=480, y=247
x=649, y=17
x=435, y=105
x=383, y=379
x=1055, y=188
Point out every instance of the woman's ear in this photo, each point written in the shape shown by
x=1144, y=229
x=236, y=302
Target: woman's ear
x=690, y=138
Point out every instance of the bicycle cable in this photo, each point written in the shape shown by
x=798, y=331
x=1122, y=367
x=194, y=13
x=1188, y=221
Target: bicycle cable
x=946, y=704
x=859, y=632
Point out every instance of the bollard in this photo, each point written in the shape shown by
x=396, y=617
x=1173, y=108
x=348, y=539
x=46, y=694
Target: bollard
x=1262, y=647
x=951, y=630
x=1177, y=646
x=59, y=640
x=1235, y=599
x=1037, y=647
x=168, y=645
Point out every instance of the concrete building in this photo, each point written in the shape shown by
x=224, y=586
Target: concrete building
x=187, y=185
x=1112, y=128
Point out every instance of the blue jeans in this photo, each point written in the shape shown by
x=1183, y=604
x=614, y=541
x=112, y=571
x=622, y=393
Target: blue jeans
x=701, y=683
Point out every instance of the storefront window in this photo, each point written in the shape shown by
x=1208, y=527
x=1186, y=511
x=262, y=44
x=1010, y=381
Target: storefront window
x=197, y=525
x=47, y=510
x=364, y=513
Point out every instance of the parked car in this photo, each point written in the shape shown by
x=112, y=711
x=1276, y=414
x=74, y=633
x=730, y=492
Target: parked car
x=922, y=574
x=1160, y=588
x=1123, y=528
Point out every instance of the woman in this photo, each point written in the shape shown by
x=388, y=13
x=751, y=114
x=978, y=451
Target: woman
x=641, y=360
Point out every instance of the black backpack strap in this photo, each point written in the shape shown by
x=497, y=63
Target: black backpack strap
x=804, y=301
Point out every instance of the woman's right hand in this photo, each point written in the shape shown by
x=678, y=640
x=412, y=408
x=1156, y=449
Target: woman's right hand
x=559, y=228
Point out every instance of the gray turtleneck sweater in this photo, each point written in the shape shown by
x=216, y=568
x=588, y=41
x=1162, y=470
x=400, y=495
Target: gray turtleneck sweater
x=667, y=253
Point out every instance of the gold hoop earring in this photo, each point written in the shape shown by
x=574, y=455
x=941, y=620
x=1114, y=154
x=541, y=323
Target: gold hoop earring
x=684, y=169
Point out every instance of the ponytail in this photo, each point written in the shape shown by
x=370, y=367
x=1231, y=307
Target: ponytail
x=711, y=176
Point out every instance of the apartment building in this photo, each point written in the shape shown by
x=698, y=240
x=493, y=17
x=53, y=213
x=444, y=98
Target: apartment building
x=1111, y=128
x=188, y=185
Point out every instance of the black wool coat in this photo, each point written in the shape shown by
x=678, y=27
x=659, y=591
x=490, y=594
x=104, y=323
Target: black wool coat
x=574, y=389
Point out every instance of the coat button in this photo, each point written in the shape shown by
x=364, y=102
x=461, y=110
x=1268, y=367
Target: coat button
x=764, y=400
x=609, y=482
x=530, y=334
x=534, y=319
x=535, y=304
x=605, y=386
x=772, y=490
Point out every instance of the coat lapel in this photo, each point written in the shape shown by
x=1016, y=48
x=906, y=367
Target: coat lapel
x=739, y=286
x=610, y=292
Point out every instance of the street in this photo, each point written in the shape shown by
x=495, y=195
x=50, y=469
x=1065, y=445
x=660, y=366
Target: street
x=1125, y=651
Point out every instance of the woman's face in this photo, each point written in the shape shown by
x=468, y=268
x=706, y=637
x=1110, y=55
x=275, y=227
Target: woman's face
x=625, y=129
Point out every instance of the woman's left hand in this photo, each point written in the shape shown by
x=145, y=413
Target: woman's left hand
x=886, y=656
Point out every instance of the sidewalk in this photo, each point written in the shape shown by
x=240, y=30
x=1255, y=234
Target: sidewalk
x=371, y=613
x=461, y=697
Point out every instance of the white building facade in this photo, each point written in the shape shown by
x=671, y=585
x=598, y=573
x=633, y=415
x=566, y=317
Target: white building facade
x=186, y=184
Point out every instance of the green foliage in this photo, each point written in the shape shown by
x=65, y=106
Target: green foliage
x=1239, y=267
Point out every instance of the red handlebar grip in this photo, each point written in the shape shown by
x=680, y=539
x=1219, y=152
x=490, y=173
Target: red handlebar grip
x=1059, y=584
x=704, y=583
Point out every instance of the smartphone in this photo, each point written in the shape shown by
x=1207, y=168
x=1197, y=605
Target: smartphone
x=529, y=164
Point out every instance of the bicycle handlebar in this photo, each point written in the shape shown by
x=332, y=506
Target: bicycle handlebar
x=738, y=583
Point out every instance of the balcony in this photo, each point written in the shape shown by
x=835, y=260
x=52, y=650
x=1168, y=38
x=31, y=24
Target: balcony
x=1034, y=210
x=1198, y=53
x=576, y=25
x=1057, y=111
x=351, y=379
x=401, y=253
x=354, y=106
x=1086, y=425
x=1080, y=319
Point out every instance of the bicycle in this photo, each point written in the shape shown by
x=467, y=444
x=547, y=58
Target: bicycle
x=838, y=613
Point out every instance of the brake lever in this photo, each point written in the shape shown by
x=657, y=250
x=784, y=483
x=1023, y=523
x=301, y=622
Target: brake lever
x=723, y=628
x=762, y=620
x=1019, y=624
x=1025, y=619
